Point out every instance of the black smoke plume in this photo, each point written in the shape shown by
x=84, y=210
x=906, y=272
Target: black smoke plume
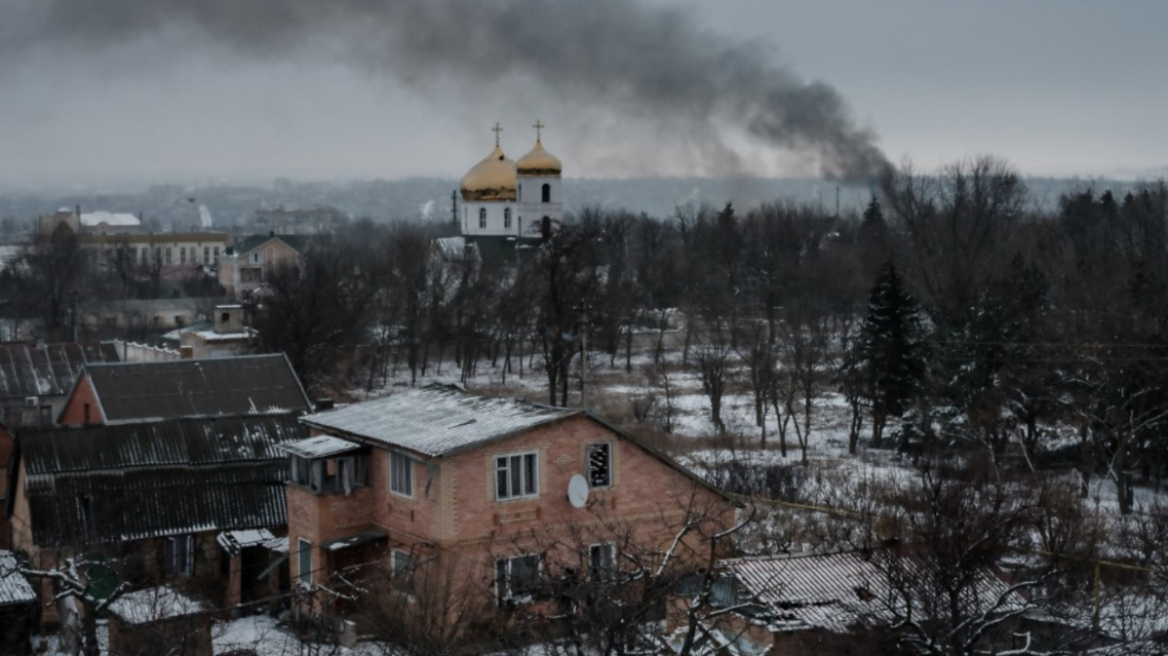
x=622, y=55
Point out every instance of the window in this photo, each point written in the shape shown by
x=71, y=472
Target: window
x=182, y=255
x=301, y=470
x=547, y=193
x=216, y=252
x=46, y=417
x=85, y=412
x=402, y=565
x=516, y=578
x=600, y=465
x=482, y=217
x=168, y=257
x=401, y=474
x=255, y=258
x=178, y=555
x=331, y=474
x=516, y=476
x=206, y=255
x=601, y=562
x=304, y=561
x=507, y=217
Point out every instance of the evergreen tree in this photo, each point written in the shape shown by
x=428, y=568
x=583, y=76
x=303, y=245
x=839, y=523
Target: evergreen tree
x=891, y=349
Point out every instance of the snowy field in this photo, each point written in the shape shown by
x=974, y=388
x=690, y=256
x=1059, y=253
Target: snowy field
x=831, y=475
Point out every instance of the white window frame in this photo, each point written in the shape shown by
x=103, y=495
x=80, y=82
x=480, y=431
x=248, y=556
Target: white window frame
x=303, y=555
x=401, y=584
x=594, y=573
x=503, y=463
x=400, y=461
x=507, y=218
x=588, y=463
x=482, y=218
x=180, y=552
x=503, y=591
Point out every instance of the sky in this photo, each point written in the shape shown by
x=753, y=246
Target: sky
x=1056, y=87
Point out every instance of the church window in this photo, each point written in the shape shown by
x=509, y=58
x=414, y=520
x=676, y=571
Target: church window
x=507, y=218
x=547, y=193
x=482, y=217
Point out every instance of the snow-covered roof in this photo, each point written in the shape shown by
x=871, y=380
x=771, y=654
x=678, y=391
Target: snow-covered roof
x=320, y=446
x=123, y=219
x=154, y=604
x=836, y=591
x=233, y=541
x=437, y=420
x=14, y=588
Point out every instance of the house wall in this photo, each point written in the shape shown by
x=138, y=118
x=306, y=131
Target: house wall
x=454, y=513
x=74, y=412
x=7, y=446
x=190, y=636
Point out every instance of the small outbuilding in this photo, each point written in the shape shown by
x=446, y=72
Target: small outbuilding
x=157, y=621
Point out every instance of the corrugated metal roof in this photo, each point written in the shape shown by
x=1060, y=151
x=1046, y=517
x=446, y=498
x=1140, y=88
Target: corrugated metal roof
x=47, y=369
x=835, y=591
x=131, y=481
x=143, y=391
x=14, y=588
x=188, y=441
x=320, y=446
x=436, y=420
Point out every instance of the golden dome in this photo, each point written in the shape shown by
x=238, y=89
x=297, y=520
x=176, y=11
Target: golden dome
x=491, y=179
x=539, y=162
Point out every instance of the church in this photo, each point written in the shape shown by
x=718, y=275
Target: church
x=502, y=198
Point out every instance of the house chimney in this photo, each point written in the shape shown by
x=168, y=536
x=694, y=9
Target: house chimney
x=186, y=352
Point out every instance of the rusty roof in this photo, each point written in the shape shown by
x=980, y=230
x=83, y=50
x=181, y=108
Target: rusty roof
x=47, y=369
x=152, y=391
x=130, y=481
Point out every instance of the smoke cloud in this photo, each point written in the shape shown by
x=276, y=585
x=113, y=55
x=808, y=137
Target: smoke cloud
x=615, y=56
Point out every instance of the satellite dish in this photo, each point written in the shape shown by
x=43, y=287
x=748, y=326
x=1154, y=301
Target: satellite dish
x=578, y=491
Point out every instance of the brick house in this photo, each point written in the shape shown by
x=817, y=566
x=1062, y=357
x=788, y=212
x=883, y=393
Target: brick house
x=197, y=501
x=217, y=387
x=472, y=495
x=243, y=270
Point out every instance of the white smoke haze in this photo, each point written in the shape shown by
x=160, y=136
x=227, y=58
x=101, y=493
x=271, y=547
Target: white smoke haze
x=646, y=89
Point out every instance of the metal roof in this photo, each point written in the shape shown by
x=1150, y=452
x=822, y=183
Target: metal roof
x=437, y=420
x=132, y=481
x=47, y=369
x=836, y=591
x=244, y=385
x=320, y=446
x=176, y=442
x=156, y=604
x=14, y=588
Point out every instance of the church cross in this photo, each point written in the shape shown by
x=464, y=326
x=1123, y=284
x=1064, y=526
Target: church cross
x=497, y=129
x=538, y=126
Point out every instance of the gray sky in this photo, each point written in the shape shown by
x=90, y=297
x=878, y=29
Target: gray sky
x=1058, y=87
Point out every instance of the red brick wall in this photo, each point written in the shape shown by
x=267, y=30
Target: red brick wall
x=7, y=445
x=74, y=412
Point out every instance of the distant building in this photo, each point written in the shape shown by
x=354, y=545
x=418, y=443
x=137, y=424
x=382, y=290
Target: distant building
x=171, y=251
x=228, y=336
x=315, y=221
x=244, y=270
x=506, y=199
x=100, y=222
